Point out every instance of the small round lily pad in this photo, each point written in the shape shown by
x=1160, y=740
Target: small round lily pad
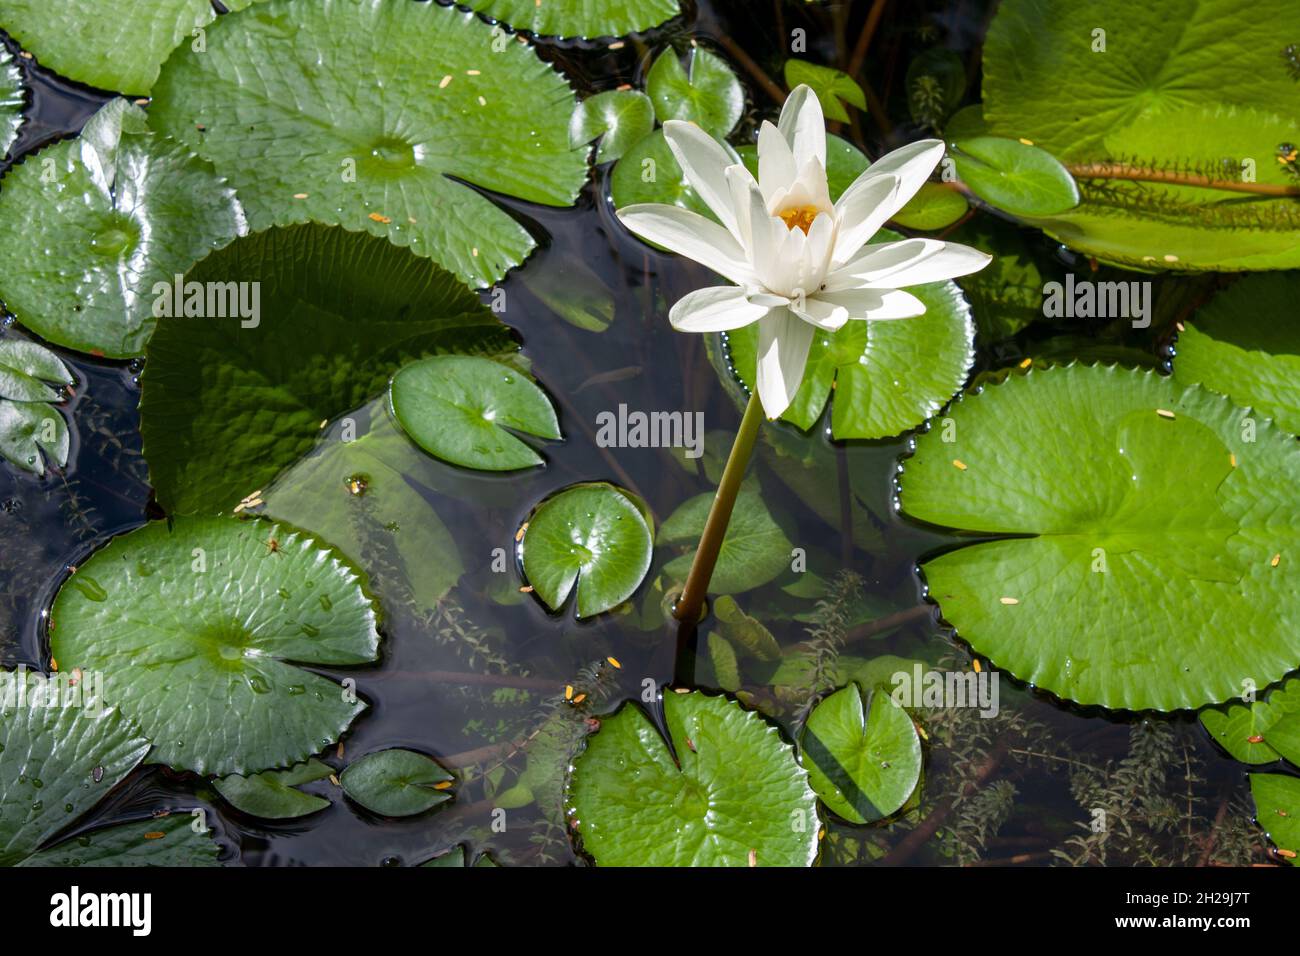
x=396, y=783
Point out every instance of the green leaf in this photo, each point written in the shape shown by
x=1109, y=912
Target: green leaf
x=224, y=408
x=737, y=794
x=1016, y=178
x=12, y=100
x=366, y=496
x=111, y=44
x=579, y=18
x=56, y=761
x=456, y=858
x=745, y=631
x=29, y=428
x=754, y=550
x=271, y=794
x=25, y=366
x=833, y=87
x=194, y=623
x=591, y=538
x=1284, y=735
x=862, y=754
x=573, y=291
x=396, y=783
x=459, y=407
x=170, y=841
x=726, y=668
x=126, y=211
x=1243, y=729
x=886, y=376
x=933, y=207
x=621, y=118
x=648, y=172
x=276, y=104
x=1244, y=345
x=1178, y=561
x=1277, y=810
x=709, y=95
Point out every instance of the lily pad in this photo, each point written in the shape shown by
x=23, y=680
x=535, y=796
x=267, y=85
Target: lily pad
x=1244, y=730
x=1244, y=345
x=620, y=118
x=1277, y=810
x=224, y=408
x=463, y=408
x=271, y=794
x=747, y=633
x=170, y=841
x=275, y=103
x=933, y=207
x=1196, y=567
x=707, y=94
x=886, y=376
x=735, y=797
x=1016, y=178
x=833, y=87
x=648, y=172
x=29, y=424
x=754, y=550
x=396, y=783
x=456, y=858
x=125, y=211
x=111, y=44
x=194, y=623
x=726, y=667
x=12, y=101
x=578, y=18
x=862, y=754
x=366, y=496
x=591, y=538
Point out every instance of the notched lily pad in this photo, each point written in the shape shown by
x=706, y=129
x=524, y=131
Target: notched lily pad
x=462, y=409
x=195, y=622
x=1277, y=810
x=578, y=18
x=706, y=94
x=620, y=118
x=31, y=428
x=12, y=100
x=735, y=797
x=396, y=783
x=591, y=538
x=271, y=794
x=862, y=754
x=1247, y=730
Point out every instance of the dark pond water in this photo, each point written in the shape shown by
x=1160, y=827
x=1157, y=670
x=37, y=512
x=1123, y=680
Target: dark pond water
x=1021, y=805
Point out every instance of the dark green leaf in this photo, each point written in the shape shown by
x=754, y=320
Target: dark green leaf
x=709, y=95
x=396, y=783
x=621, y=118
x=271, y=794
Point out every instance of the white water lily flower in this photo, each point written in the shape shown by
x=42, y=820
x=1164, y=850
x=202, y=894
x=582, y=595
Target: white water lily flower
x=799, y=262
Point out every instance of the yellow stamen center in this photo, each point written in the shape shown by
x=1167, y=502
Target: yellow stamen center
x=800, y=217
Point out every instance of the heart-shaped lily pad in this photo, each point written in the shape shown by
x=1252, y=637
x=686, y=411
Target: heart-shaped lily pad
x=112, y=44
x=1247, y=730
x=108, y=222
x=271, y=794
x=459, y=407
x=754, y=549
x=591, y=538
x=1162, y=565
x=29, y=424
x=275, y=103
x=886, y=376
x=194, y=622
x=1015, y=177
x=1244, y=345
x=396, y=783
x=578, y=18
x=706, y=93
x=1277, y=810
x=225, y=406
x=11, y=101
x=735, y=797
x=621, y=118
x=862, y=754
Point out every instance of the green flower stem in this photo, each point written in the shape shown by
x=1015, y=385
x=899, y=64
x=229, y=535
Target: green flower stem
x=715, y=528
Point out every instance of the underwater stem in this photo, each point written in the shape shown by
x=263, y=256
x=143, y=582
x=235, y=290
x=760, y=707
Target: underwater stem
x=1174, y=178
x=715, y=527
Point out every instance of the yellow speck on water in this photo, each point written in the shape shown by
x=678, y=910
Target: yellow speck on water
x=821, y=834
x=54, y=664
x=340, y=750
x=1164, y=413
x=1026, y=363
x=1027, y=142
x=681, y=690
x=580, y=698
x=921, y=730
x=1277, y=559
x=617, y=45
x=613, y=662
x=1009, y=600
x=526, y=589
x=442, y=785
x=324, y=422
x=300, y=195
x=334, y=779
x=442, y=84
x=1180, y=327
x=1289, y=854
x=519, y=535
x=959, y=464
x=568, y=692
x=976, y=664
x=158, y=835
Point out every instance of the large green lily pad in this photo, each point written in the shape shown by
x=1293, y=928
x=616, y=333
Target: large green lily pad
x=862, y=754
x=198, y=625
x=169, y=841
x=1277, y=810
x=578, y=18
x=276, y=104
x=1245, y=345
x=124, y=212
x=591, y=538
x=736, y=797
x=224, y=408
x=463, y=408
x=1162, y=561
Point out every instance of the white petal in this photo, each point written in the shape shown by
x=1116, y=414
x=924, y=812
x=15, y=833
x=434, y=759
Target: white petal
x=691, y=235
x=765, y=233
x=804, y=127
x=776, y=167
x=862, y=210
x=821, y=313
x=817, y=252
x=739, y=185
x=875, y=304
x=783, y=343
x=894, y=265
x=912, y=164
x=704, y=161
x=719, y=309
